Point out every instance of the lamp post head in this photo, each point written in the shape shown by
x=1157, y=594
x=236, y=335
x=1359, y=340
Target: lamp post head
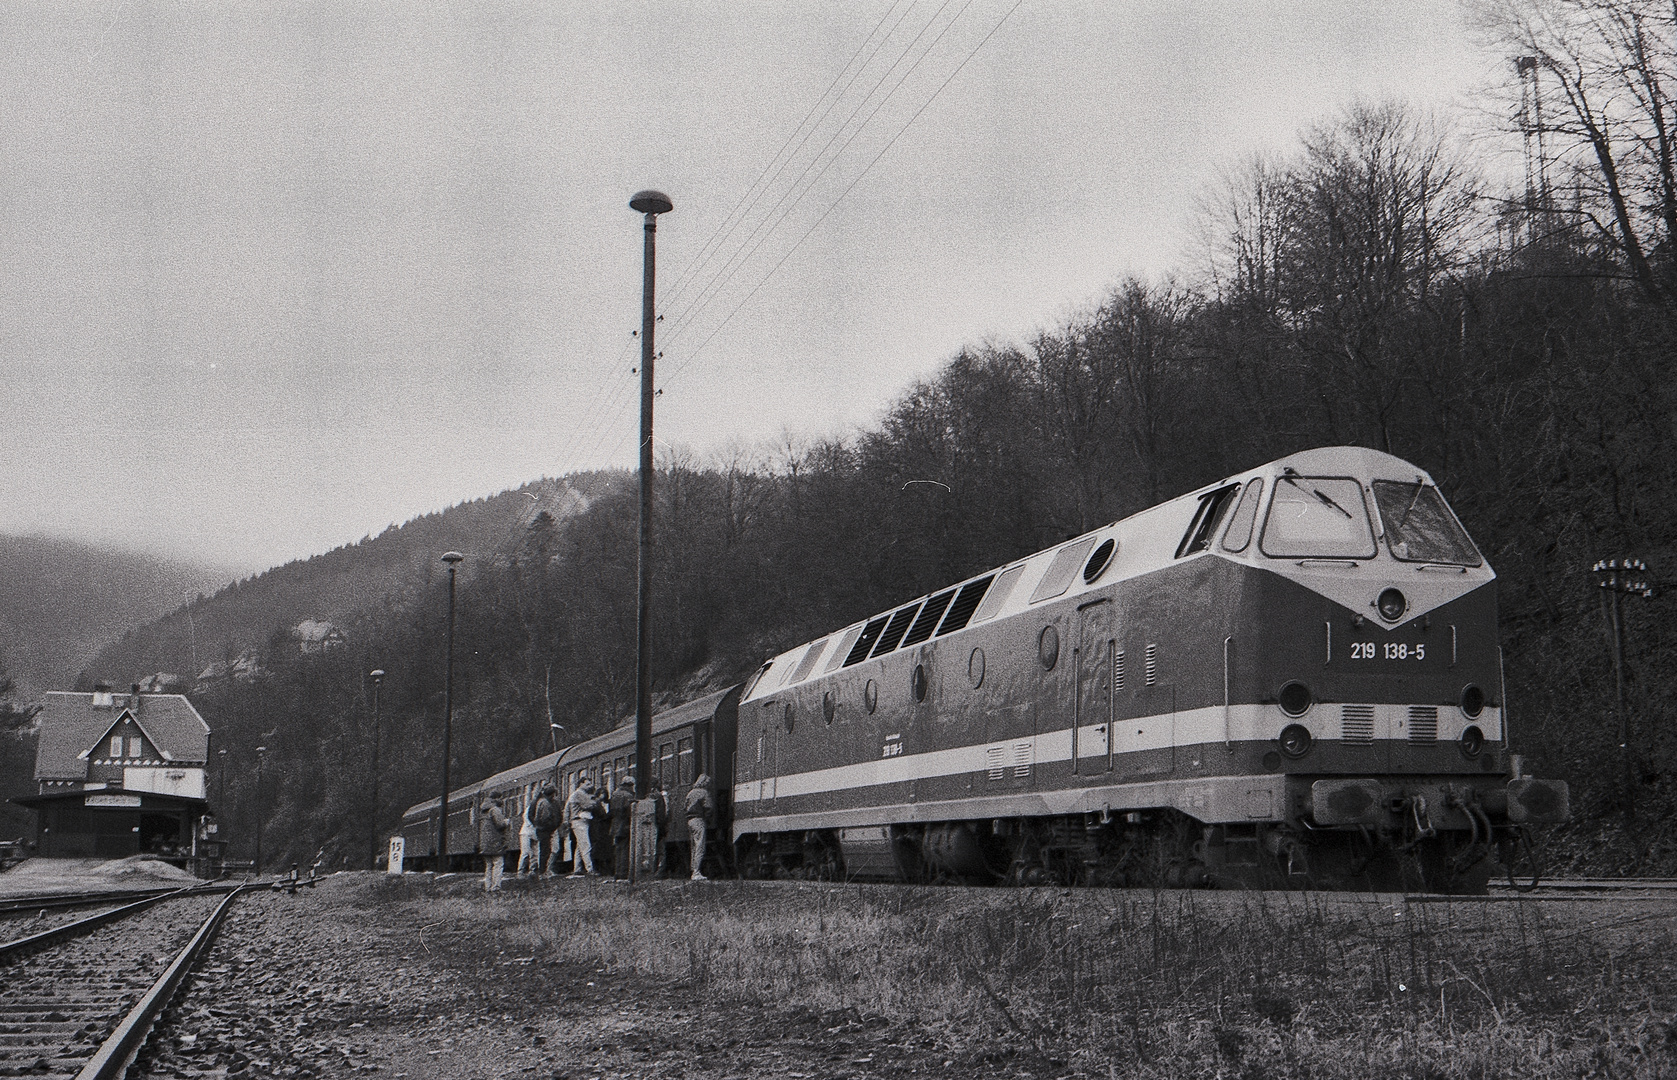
x=651, y=202
x=261, y=749
x=377, y=675
x=452, y=557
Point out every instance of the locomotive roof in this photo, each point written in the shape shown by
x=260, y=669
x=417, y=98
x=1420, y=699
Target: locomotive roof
x=1144, y=542
x=623, y=734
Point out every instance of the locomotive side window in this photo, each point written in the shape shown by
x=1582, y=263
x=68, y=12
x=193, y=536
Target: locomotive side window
x=1060, y=572
x=864, y=644
x=843, y=649
x=960, y=612
x=1420, y=527
x=809, y=660
x=1239, y=536
x=997, y=596
x=1316, y=517
x=1213, y=505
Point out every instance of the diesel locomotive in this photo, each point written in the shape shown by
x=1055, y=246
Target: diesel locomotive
x=1289, y=678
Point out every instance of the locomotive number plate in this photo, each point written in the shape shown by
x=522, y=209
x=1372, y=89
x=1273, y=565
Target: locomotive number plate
x=1398, y=651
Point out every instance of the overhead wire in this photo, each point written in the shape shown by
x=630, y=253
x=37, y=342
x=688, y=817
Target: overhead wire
x=693, y=355
x=606, y=414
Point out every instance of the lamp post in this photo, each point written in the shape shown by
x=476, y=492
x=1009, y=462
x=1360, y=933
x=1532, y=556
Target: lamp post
x=377, y=675
x=452, y=558
x=221, y=794
x=260, y=821
x=554, y=730
x=1622, y=577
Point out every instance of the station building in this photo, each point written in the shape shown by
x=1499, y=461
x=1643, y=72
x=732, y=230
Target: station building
x=119, y=775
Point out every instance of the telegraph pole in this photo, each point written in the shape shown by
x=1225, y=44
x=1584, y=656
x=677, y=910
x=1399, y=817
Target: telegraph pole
x=452, y=558
x=651, y=204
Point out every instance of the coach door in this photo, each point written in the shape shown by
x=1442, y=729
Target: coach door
x=1096, y=647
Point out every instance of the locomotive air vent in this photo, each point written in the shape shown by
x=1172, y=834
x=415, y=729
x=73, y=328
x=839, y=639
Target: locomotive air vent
x=1423, y=723
x=1118, y=670
x=1152, y=664
x=1356, y=723
x=1098, y=561
x=995, y=759
x=1021, y=759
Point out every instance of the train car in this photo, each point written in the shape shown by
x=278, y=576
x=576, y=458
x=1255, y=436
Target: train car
x=690, y=739
x=1288, y=678
x=516, y=787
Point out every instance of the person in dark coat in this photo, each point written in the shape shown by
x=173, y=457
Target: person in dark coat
x=544, y=813
x=622, y=814
x=492, y=823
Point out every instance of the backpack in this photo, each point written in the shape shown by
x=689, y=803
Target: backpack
x=543, y=815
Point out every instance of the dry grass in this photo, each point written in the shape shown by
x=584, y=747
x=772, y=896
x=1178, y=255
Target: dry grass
x=1142, y=984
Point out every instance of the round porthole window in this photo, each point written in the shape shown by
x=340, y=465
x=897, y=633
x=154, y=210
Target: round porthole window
x=1099, y=561
x=829, y=706
x=975, y=668
x=787, y=717
x=870, y=696
x=1048, y=648
x=919, y=682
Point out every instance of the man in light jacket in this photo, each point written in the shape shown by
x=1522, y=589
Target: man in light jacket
x=701, y=809
x=580, y=809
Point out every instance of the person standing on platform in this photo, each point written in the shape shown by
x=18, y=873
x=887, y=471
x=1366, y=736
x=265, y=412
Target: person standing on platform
x=545, y=815
x=580, y=809
x=701, y=810
x=622, y=811
x=492, y=824
x=527, y=862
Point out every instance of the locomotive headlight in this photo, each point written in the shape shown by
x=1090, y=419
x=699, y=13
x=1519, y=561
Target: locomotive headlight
x=1473, y=700
x=1295, y=698
x=1391, y=605
x=1295, y=740
x=1473, y=741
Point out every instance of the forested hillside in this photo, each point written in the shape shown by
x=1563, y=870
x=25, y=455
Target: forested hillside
x=1368, y=288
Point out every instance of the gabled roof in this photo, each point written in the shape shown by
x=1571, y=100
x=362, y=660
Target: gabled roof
x=70, y=725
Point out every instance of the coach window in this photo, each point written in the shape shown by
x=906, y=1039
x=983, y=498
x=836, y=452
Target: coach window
x=1317, y=517
x=668, y=771
x=684, y=749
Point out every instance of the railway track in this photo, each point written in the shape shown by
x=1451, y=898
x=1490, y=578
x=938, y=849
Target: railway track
x=77, y=1000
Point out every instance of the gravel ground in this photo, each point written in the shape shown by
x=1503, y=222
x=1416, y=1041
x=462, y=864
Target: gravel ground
x=426, y=978
x=332, y=982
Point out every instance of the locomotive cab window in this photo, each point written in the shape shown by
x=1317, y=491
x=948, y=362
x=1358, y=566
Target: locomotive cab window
x=1213, y=505
x=1420, y=527
x=1317, y=517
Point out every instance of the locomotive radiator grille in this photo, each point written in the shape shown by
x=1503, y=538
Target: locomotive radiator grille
x=1356, y=723
x=1021, y=759
x=996, y=760
x=1151, y=663
x=1423, y=723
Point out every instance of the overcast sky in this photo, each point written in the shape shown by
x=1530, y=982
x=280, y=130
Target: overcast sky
x=276, y=276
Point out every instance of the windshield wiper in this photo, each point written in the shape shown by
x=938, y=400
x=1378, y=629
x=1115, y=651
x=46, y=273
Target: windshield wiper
x=1408, y=509
x=1320, y=496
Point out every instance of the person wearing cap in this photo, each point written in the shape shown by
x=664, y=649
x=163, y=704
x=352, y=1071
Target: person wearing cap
x=700, y=809
x=580, y=809
x=492, y=824
x=622, y=811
